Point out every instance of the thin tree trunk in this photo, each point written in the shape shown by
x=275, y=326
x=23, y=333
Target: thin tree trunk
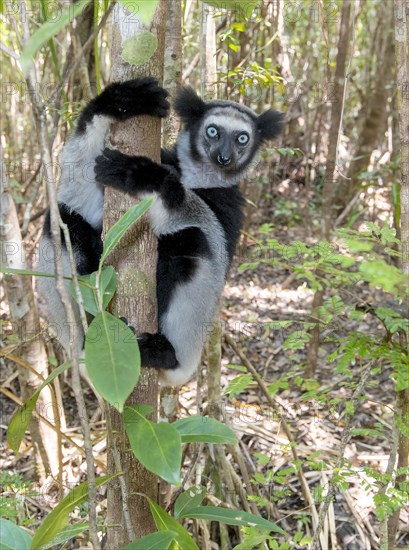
x=26, y=324
x=128, y=513
x=374, y=110
x=402, y=61
x=172, y=73
x=331, y=170
x=172, y=80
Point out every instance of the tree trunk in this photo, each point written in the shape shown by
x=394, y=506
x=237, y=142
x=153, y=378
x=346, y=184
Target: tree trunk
x=26, y=325
x=374, y=111
x=135, y=261
x=172, y=80
x=402, y=61
x=331, y=170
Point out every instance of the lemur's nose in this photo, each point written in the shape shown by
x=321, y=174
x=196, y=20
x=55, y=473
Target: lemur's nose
x=224, y=161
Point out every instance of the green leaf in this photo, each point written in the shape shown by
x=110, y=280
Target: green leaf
x=235, y=5
x=66, y=534
x=157, y=446
x=13, y=537
x=165, y=522
x=89, y=291
x=144, y=10
x=156, y=541
x=296, y=340
x=58, y=518
x=234, y=47
x=88, y=294
x=112, y=358
x=21, y=418
x=380, y=274
x=116, y=232
x=238, y=384
x=189, y=499
x=47, y=31
x=204, y=429
x=232, y=517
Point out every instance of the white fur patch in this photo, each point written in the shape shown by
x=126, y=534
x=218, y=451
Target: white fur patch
x=78, y=188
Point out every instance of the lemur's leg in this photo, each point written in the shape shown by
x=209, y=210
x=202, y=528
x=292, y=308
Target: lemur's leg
x=191, y=267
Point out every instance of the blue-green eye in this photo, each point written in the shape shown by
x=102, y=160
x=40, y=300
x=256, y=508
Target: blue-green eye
x=212, y=132
x=243, y=138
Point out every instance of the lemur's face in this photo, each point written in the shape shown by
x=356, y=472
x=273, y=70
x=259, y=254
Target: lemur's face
x=227, y=138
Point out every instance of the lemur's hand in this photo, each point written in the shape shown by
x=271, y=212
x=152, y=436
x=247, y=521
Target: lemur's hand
x=129, y=174
x=141, y=96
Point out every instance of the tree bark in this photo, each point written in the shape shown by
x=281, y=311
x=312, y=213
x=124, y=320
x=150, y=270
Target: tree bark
x=331, y=170
x=26, y=324
x=402, y=62
x=172, y=80
x=374, y=110
x=135, y=262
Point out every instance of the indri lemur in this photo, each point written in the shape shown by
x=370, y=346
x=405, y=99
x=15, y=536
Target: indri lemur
x=196, y=216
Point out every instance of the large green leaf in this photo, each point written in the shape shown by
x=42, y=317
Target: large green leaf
x=157, y=446
x=116, y=232
x=47, y=31
x=231, y=517
x=112, y=358
x=144, y=10
x=156, y=541
x=165, y=522
x=191, y=498
x=204, y=429
x=66, y=534
x=13, y=537
x=21, y=418
x=58, y=518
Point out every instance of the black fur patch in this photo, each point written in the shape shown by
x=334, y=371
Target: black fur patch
x=156, y=351
x=169, y=157
x=122, y=100
x=85, y=240
x=178, y=256
x=270, y=124
x=189, y=106
x=226, y=204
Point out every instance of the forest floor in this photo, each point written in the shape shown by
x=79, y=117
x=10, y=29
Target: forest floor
x=253, y=298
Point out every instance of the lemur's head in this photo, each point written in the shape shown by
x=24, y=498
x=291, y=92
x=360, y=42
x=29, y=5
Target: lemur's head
x=224, y=132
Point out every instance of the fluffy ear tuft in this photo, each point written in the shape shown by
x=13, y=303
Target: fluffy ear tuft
x=189, y=106
x=270, y=124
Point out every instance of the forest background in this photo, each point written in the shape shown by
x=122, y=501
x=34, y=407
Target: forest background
x=314, y=320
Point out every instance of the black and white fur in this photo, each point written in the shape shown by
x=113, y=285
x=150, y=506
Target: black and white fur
x=196, y=216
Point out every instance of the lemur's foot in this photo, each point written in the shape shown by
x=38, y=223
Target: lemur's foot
x=156, y=351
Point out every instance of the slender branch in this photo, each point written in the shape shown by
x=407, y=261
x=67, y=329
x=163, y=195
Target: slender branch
x=79, y=57
x=122, y=483
x=39, y=112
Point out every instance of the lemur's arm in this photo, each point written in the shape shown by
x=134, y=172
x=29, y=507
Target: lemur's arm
x=122, y=100
x=78, y=189
x=138, y=176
